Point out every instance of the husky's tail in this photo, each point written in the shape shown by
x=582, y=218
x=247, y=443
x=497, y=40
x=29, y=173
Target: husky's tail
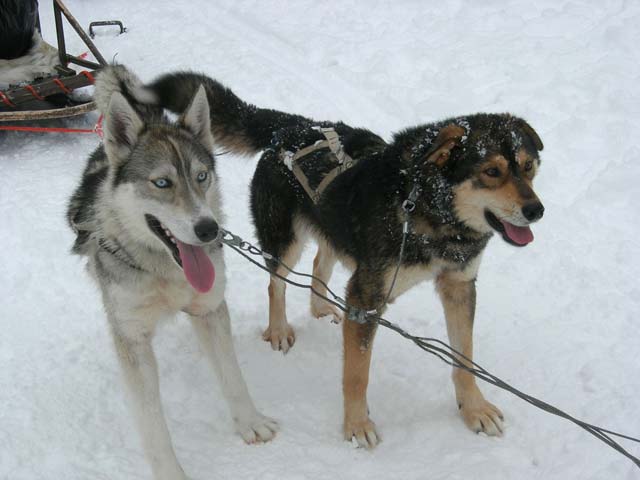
x=117, y=78
x=236, y=125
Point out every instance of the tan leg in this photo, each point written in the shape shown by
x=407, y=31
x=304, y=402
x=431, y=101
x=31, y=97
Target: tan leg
x=358, y=343
x=322, y=268
x=459, y=301
x=279, y=333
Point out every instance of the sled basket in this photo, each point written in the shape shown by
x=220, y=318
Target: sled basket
x=49, y=97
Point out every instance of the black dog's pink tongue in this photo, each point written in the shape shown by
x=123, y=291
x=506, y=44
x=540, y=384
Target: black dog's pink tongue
x=519, y=235
x=197, y=266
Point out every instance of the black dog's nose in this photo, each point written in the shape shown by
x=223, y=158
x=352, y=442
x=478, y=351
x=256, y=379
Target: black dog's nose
x=206, y=229
x=533, y=211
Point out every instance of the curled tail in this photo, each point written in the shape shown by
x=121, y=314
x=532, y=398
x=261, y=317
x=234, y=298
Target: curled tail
x=236, y=125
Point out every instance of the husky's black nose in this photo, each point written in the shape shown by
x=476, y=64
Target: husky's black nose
x=206, y=229
x=533, y=211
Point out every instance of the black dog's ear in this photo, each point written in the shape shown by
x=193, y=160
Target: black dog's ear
x=532, y=134
x=448, y=137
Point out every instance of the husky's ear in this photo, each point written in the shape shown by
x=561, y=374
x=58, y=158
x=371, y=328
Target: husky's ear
x=122, y=128
x=196, y=119
x=448, y=137
x=532, y=134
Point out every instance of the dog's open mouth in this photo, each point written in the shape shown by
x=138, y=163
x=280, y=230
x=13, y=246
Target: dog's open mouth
x=193, y=260
x=165, y=236
x=513, y=234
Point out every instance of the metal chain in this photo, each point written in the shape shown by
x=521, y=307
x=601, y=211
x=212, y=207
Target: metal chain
x=119, y=253
x=434, y=346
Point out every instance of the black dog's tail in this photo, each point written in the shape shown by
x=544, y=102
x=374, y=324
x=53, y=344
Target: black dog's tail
x=236, y=125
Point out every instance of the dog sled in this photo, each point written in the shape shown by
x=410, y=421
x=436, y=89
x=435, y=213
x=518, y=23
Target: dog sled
x=49, y=94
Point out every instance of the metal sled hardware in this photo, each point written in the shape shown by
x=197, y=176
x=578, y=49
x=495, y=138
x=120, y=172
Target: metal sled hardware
x=105, y=23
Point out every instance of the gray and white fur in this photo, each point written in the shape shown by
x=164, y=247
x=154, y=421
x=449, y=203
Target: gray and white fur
x=128, y=222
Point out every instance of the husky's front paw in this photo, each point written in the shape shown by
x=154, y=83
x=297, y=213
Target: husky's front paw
x=281, y=338
x=256, y=428
x=363, y=431
x=482, y=416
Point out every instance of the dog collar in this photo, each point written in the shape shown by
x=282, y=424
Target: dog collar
x=117, y=251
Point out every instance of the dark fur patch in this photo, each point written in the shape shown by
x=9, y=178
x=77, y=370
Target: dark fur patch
x=81, y=209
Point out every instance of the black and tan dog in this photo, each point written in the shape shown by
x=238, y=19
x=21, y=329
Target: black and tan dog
x=472, y=176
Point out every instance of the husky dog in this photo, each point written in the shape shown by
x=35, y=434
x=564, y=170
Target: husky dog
x=146, y=216
x=466, y=178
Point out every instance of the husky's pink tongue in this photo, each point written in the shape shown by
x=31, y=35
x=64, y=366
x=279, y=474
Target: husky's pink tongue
x=519, y=235
x=197, y=266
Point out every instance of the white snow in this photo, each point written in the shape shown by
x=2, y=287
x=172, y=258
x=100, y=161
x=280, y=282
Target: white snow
x=558, y=319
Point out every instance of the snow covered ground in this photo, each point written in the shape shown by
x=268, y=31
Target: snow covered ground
x=557, y=319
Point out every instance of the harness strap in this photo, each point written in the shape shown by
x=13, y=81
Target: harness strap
x=334, y=145
x=304, y=182
x=320, y=144
x=329, y=177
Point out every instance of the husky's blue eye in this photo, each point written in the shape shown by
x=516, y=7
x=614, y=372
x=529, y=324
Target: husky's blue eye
x=162, y=182
x=202, y=176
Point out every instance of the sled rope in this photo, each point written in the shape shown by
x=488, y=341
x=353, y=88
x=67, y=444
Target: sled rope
x=5, y=99
x=433, y=346
x=62, y=86
x=97, y=129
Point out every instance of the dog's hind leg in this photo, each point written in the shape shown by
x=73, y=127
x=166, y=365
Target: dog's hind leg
x=458, y=298
x=140, y=369
x=322, y=268
x=214, y=333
